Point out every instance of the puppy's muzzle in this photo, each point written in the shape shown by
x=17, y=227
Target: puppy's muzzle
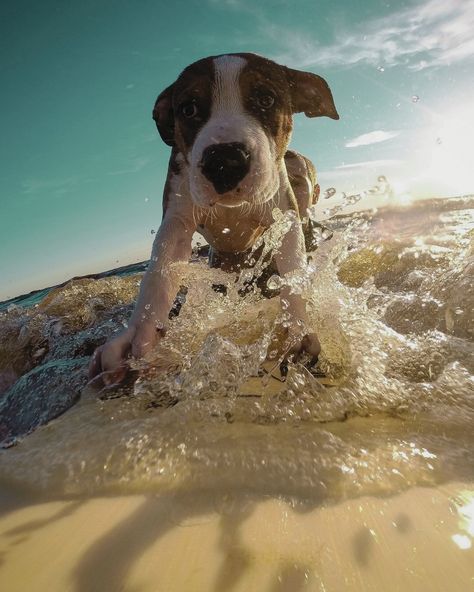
x=225, y=165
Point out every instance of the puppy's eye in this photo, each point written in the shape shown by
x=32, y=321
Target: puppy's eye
x=189, y=110
x=265, y=101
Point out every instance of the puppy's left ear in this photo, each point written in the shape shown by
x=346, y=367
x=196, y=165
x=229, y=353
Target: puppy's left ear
x=164, y=116
x=310, y=94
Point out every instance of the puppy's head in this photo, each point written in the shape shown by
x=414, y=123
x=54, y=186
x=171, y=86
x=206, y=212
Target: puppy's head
x=231, y=118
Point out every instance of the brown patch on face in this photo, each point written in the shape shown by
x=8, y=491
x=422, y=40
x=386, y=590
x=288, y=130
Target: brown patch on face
x=192, y=101
x=266, y=96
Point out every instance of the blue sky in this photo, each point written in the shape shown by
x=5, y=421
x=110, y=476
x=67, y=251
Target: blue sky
x=83, y=167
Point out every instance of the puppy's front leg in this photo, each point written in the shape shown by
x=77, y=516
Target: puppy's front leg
x=160, y=282
x=291, y=258
x=157, y=292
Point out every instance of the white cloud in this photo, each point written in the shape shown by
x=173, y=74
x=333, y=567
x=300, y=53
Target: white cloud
x=432, y=34
x=56, y=186
x=371, y=138
x=134, y=165
x=236, y=4
x=369, y=164
x=364, y=171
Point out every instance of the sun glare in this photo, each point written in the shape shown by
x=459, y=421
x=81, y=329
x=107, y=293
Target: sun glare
x=466, y=513
x=405, y=199
x=444, y=155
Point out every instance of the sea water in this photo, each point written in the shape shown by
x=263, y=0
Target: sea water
x=391, y=297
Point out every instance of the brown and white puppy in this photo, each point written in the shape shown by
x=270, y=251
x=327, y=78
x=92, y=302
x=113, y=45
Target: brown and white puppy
x=228, y=119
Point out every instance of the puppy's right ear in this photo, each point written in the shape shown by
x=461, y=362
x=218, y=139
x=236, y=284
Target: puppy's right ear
x=164, y=117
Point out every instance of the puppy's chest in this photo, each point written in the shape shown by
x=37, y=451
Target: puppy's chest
x=231, y=230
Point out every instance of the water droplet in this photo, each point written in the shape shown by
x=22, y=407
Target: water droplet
x=380, y=68
x=312, y=213
x=329, y=192
x=153, y=231
x=274, y=282
x=147, y=199
x=147, y=306
x=352, y=199
x=225, y=230
x=277, y=214
x=415, y=99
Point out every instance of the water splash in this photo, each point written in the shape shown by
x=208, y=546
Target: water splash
x=391, y=297
x=382, y=189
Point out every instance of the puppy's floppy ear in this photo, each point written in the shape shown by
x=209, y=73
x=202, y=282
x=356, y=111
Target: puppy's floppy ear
x=310, y=94
x=164, y=117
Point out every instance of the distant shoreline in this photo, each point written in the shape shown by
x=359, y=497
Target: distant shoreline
x=34, y=296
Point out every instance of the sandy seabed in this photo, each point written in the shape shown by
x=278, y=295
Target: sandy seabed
x=414, y=541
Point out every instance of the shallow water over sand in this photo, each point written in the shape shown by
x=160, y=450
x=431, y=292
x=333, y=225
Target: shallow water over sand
x=391, y=296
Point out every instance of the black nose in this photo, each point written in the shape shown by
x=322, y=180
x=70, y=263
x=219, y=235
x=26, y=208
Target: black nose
x=225, y=165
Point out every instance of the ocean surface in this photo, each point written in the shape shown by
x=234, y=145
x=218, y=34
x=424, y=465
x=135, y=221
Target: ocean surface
x=391, y=295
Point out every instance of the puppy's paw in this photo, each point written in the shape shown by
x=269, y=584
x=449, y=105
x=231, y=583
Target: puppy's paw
x=305, y=351
x=109, y=365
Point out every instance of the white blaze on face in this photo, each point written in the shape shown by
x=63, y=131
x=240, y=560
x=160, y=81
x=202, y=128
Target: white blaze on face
x=228, y=123
x=226, y=96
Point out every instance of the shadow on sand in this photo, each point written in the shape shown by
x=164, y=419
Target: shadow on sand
x=108, y=562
